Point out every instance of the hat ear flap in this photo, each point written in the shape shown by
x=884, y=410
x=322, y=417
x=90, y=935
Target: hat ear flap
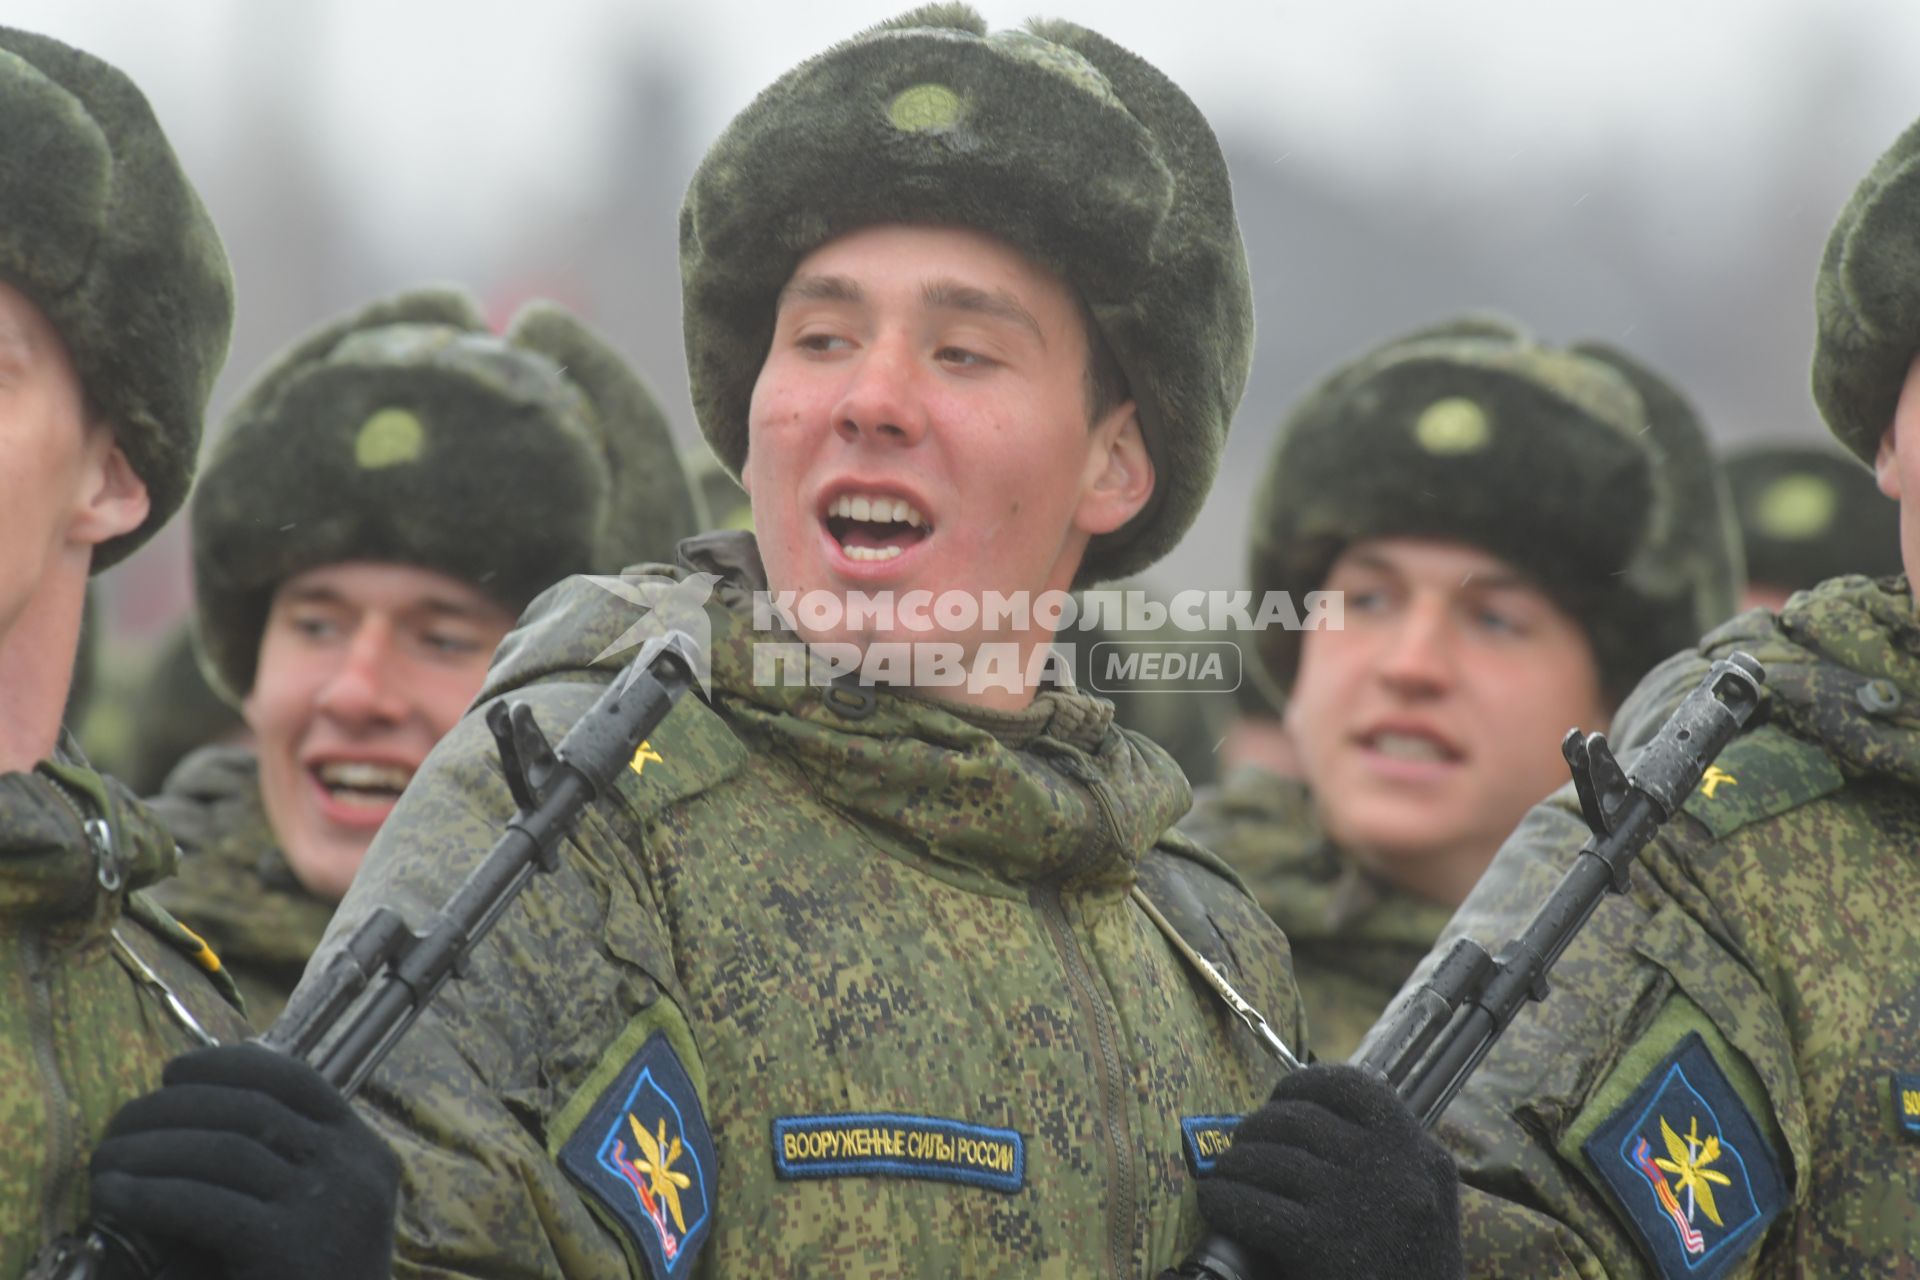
x=1696, y=545
x=652, y=504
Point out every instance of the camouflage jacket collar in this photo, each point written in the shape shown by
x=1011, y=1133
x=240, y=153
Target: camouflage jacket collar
x=1055, y=794
x=1848, y=674
x=212, y=800
x=72, y=844
x=235, y=883
x=1314, y=890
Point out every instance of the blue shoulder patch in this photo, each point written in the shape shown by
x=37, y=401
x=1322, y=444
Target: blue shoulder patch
x=644, y=1152
x=1208, y=1138
x=1906, y=1104
x=1685, y=1162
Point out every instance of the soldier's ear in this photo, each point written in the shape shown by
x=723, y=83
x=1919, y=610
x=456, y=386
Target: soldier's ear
x=112, y=499
x=1885, y=473
x=1120, y=477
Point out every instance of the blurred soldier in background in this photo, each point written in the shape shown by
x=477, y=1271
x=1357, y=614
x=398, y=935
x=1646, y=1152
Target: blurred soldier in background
x=1725, y=1080
x=1519, y=533
x=379, y=507
x=1808, y=514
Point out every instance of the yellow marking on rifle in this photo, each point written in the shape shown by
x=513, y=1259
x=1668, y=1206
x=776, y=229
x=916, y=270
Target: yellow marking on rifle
x=205, y=956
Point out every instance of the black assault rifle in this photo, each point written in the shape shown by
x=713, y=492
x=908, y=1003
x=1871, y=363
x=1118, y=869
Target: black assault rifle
x=1433, y=1036
x=344, y=1037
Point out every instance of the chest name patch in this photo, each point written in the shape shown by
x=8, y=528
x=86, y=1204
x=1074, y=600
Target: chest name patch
x=1696, y=1178
x=1208, y=1138
x=886, y=1145
x=645, y=1153
x=1906, y=1104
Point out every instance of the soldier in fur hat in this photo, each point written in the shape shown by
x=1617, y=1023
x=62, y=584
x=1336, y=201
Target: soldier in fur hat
x=1518, y=534
x=854, y=979
x=378, y=509
x=1722, y=1082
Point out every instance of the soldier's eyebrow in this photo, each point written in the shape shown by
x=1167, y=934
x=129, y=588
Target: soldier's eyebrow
x=1500, y=580
x=819, y=289
x=449, y=607
x=309, y=593
x=952, y=295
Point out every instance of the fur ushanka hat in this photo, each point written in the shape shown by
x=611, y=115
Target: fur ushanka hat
x=1053, y=138
x=1581, y=468
x=1867, y=301
x=101, y=230
x=409, y=433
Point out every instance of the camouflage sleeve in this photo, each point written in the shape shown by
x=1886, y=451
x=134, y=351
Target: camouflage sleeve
x=463, y=1099
x=1652, y=1021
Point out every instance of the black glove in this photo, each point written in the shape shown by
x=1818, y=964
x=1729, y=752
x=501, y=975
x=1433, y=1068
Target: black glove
x=1335, y=1180
x=246, y=1165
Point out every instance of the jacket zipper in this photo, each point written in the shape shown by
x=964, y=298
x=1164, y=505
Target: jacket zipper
x=1090, y=992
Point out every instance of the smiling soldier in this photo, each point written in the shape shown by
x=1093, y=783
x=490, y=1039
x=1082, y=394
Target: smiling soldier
x=1519, y=534
x=379, y=507
x=851, y=981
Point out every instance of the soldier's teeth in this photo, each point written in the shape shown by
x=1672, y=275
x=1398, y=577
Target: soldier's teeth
x=362, y=775
x=878, y=510
x=1408, y=746
x=869, y=553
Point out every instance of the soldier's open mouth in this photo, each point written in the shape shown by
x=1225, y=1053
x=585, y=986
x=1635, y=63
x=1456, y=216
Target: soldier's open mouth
x=363, y=783
x=1411, y=746
x=875, y=527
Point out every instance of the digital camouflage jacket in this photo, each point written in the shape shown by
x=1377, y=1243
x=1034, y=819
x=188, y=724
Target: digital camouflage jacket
x=1354, y=938
x=86, y=1022
x=234, y=887
x=1725, y=1080
x=817, y=992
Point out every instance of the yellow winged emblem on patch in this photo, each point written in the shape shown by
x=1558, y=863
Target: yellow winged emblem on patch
x=663, y=1180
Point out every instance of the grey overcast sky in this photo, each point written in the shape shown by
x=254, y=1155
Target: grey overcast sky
x=493, y=105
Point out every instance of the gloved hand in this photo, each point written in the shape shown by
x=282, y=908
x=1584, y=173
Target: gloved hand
x=248, y=1164
x=1335, y=1180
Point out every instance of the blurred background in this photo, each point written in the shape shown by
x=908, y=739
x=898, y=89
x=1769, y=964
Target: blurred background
x=1656, y=175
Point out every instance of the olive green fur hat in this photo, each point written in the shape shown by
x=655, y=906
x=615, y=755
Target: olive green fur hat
x=1053, y=138
x=409, y=433
x=1808, y=514
x=1580, y=468
x=1867, y=301
x=105, y=235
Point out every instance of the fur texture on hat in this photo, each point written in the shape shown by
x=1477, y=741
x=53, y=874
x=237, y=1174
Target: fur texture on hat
x=1053, y=138
x=1867, y=301
x=1809, y=514
x=409, y=433
x=1579, y=468
x=102, y=231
